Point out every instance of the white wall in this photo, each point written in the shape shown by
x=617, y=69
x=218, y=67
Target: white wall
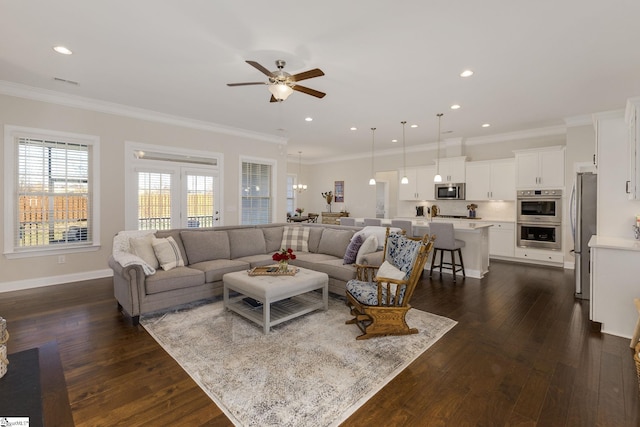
x=113, y=130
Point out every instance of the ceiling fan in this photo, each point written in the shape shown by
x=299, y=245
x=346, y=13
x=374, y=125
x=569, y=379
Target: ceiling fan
x=282, y=84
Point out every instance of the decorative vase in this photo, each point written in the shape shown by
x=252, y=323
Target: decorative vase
x=283, y=266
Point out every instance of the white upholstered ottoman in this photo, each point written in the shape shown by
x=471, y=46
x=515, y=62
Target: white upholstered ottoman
x=280, y=298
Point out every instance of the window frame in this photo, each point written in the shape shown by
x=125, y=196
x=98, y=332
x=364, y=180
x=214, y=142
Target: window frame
x=272, y=190
x=12, y=134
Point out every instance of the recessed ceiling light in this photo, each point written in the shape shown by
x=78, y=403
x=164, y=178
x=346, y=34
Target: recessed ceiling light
x=308, y=119
x=353, y=128
x=63, y=50
x=455, y=107
x=486, y=125
x=466, y=73
x=394, y=140
x=414, y=126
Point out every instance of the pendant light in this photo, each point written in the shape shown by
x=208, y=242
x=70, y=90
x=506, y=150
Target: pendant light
x=299, y=187
x=438, y=177
x=372, y=181
x=404, y=179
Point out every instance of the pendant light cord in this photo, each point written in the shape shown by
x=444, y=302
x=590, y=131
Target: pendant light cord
x=404, y=150
x=373, y=141
x=438, y=164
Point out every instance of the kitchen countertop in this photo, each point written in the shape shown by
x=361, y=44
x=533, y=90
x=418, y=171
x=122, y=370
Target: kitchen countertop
x=620, y=243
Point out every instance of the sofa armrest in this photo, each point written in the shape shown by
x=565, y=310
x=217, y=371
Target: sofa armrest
x=128, y=286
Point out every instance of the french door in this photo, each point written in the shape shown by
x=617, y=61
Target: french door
x=176, y=196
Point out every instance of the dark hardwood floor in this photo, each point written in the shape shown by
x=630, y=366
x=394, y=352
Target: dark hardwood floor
x=523, y=353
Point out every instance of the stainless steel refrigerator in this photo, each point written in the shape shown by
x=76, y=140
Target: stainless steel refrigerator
x=584, y=226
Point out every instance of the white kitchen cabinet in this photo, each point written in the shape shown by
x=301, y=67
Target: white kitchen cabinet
x=452, y=169
x=491, y=180
x=632, y=118
x=542, y=256
x=420, y=186
x=502, y=239
x=540, y=168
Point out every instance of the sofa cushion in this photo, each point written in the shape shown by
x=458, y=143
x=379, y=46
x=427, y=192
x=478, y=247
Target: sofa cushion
x=168, y=253
x=334, y=242
x=296, y=238
x=315, y=234
x=336, y=269
x=352, y=250
x=273, y=238
x=246, y=241
x=143, y=247
x=205, y=245
x=257, y=260
x=214, y=270
x=176, y=278
x=309, y=260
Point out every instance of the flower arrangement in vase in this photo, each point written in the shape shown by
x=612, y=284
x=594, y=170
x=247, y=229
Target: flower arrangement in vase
x=283, y=258
x=299, y=211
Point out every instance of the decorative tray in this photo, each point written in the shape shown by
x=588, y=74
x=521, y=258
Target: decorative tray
x=271, y=270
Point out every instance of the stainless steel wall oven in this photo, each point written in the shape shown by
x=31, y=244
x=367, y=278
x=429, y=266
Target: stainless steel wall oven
x=539, y=219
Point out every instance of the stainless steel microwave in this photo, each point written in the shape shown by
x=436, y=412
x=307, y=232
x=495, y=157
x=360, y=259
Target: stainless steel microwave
x=449, y=191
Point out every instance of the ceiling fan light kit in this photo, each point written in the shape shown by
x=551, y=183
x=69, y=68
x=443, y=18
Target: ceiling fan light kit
x=282, y=84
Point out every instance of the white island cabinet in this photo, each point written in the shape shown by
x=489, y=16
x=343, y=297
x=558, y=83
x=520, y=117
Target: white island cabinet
x=475, y=254
x=615, y=282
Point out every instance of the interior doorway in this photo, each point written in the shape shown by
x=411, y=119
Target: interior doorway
x=382, y=198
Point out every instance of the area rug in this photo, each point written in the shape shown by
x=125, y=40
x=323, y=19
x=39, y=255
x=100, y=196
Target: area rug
x=309, y=371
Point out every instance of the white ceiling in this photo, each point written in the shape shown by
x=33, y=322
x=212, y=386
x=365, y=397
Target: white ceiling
x=536, y=63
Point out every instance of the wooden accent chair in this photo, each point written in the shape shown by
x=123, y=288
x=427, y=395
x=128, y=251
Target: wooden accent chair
x=380, y=304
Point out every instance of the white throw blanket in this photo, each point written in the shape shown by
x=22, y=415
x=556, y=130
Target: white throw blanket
x=122, y=250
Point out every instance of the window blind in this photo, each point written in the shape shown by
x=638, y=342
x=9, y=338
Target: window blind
x=256, y=193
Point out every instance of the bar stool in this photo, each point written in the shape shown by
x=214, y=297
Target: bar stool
x=347, y=221
x=445, y=241
x=372, y=221
x=404, y=224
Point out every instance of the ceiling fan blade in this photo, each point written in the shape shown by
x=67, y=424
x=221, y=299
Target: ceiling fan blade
x=260, y=68
x=309, y=91
x=246, y=84
x=273, y=99
x=316, y=72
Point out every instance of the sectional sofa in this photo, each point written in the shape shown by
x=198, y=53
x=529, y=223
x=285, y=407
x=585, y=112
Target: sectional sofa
x=203, y=256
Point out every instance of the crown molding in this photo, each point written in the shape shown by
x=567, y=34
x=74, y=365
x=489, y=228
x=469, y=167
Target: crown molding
x=59, y=98
x=514, y=136
x=582, y=120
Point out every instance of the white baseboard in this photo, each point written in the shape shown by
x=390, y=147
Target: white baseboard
x=40, y=282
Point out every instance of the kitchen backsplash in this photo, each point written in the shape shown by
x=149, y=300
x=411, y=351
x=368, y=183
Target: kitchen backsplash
x=495, y=211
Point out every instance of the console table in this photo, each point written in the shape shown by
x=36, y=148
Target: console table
x=333, y=217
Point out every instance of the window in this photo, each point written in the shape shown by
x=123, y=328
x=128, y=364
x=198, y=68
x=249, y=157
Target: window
x=174, y=189
x=50, y=185
x=256, y=193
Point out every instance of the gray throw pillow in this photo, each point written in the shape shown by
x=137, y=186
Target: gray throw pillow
x=334, y=242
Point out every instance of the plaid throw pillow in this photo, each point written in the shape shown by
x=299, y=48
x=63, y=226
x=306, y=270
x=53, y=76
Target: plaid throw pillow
x=296, y=238
x=168, y=253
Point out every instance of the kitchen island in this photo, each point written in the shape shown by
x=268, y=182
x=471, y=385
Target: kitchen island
x=475, y=253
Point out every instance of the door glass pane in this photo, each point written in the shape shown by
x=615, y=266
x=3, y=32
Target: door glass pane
x=154, y=201
x=200, y=201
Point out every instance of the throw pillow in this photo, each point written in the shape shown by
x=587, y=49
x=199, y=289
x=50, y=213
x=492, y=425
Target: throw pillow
x=389, y=271
x=168, y=253
x=143, y=247
x=296, y=238
x=369, y=245
x=352, y=250
x=379, y=232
